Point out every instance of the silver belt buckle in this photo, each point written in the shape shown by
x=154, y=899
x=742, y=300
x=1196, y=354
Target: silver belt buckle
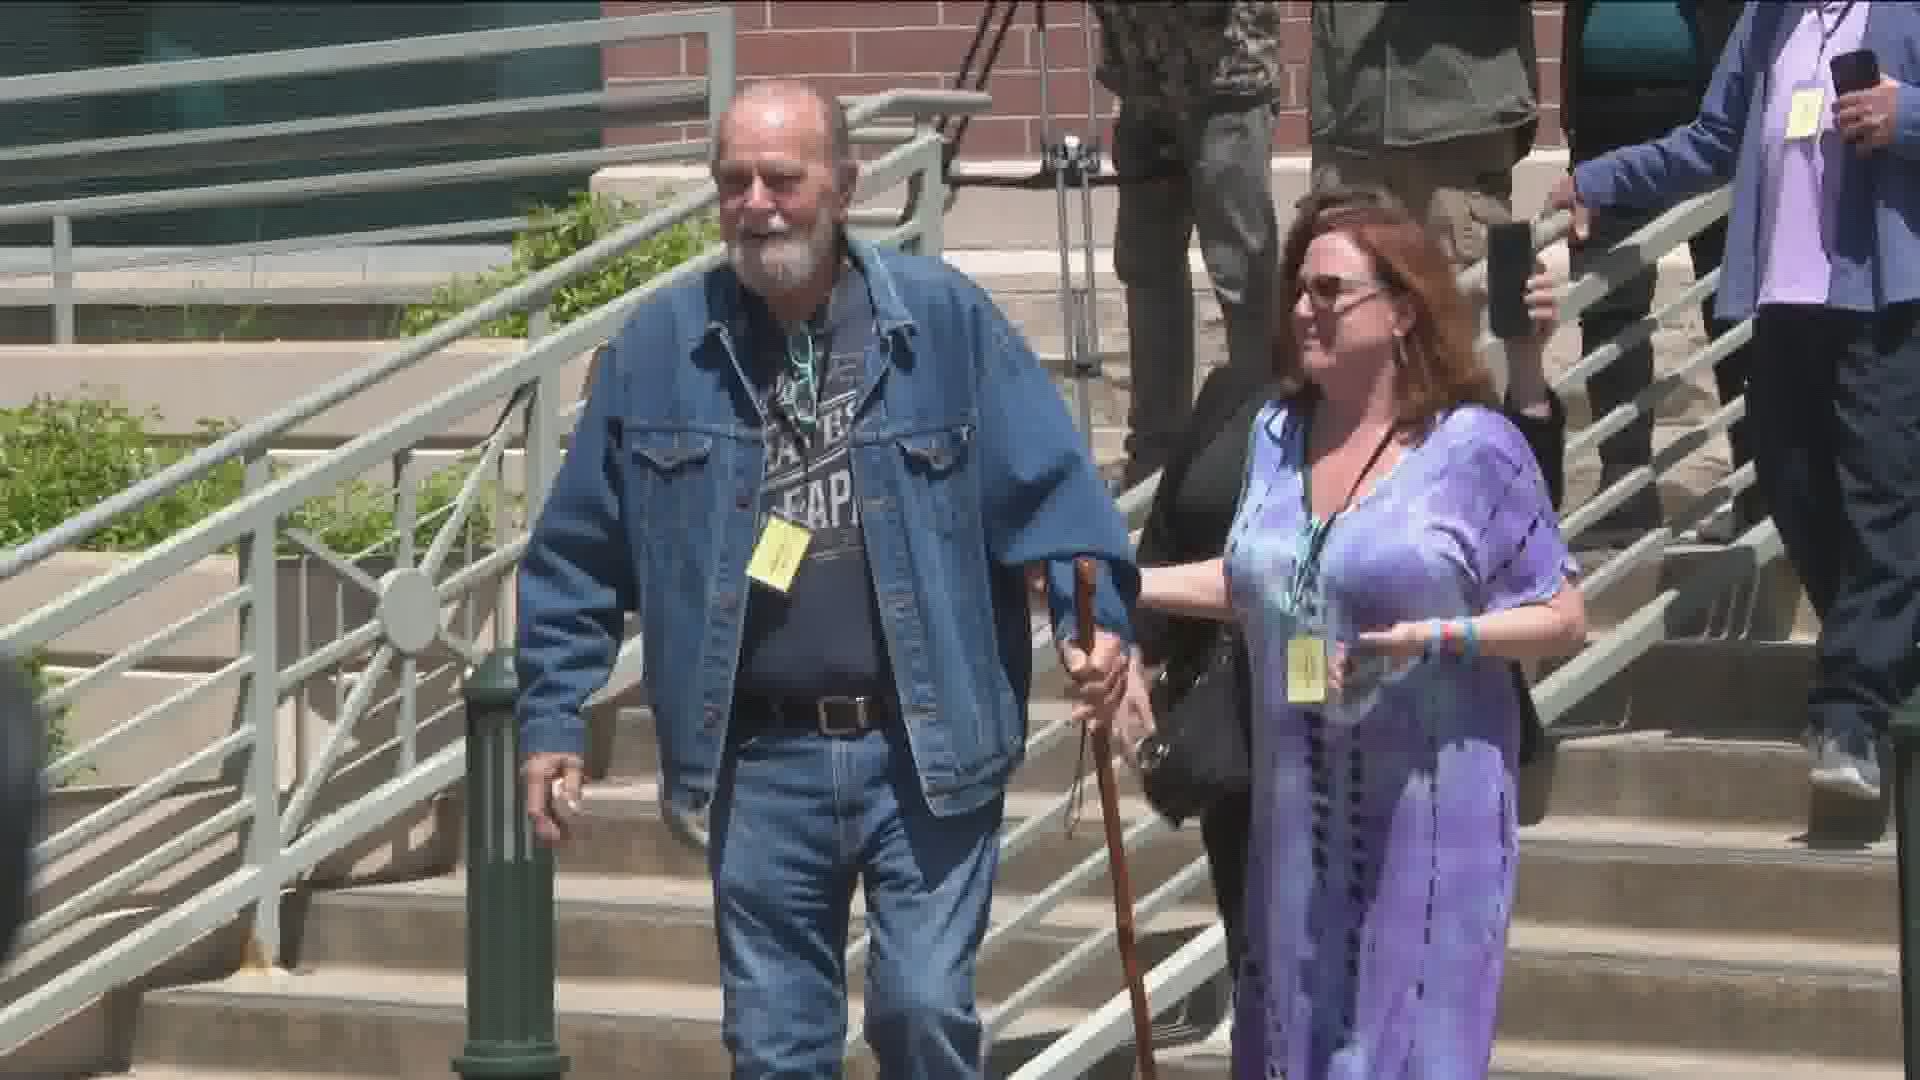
x=824, y=713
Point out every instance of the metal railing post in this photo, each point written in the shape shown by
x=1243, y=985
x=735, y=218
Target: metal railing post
x=511, y=1029
x=1905, y=730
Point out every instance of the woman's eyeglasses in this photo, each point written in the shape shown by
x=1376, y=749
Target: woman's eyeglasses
x=1326, y=290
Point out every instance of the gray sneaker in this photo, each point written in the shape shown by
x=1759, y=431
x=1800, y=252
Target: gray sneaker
x=1846, y=762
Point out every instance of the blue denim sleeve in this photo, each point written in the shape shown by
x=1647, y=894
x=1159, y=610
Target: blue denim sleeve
x=1906, y=123
x=1042, y=498
x=1690, y=159
x=576, y=579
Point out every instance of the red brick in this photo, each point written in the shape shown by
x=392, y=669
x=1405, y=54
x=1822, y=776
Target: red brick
x=1549, y=81
x=645, y=59
x=1550, y=133
x=747, y=14
x=1296, y=41
x=1066, y=46
x=967, y=13
x=997, y=137
x=1290, y=131
x=768, y=53
x=1017, y=93
x=1293, y=88
x=1546, y=32
x=937, y=49
x=822, y=15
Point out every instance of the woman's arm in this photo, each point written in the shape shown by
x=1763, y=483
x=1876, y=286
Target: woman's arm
x=1197, y=590
x=1542, y=631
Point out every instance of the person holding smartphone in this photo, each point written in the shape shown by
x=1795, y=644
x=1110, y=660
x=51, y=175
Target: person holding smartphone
x=1814, y=117
x=1632, y=70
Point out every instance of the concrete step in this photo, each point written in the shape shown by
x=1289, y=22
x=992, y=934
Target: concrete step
x=1702, y=733
x=1688, y=992
x=619, y=833
x=1518, y=1060
x=1511, y=1061
x=661, y=929
x=407, y=1027
x=1666, y=777
x=1593, y=872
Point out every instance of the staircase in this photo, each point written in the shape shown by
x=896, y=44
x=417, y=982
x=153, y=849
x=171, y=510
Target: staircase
x=272, y=896
x=1671, y=921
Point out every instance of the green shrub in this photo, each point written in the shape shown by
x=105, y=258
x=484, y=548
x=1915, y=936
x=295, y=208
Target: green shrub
x=43, y=684
x=59, y=456
x=554, y=233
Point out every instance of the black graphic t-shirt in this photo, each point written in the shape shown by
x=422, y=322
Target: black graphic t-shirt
x=823, y=637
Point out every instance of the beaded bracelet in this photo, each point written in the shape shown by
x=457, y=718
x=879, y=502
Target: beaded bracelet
x=1440, y=639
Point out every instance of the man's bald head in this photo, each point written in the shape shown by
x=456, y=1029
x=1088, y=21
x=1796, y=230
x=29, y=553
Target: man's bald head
x=779, y=103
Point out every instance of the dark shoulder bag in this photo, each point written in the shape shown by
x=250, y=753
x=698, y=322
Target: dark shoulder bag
x=1200, y=750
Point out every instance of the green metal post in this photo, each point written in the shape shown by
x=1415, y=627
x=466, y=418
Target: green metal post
x=1905, y=730
x=510, y=1017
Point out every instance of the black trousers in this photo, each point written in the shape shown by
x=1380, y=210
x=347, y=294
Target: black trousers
x=1833, y=402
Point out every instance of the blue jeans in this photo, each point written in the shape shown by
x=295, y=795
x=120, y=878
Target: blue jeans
x=797, y=818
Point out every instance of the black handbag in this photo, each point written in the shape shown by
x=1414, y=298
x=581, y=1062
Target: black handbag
x=1200, y=750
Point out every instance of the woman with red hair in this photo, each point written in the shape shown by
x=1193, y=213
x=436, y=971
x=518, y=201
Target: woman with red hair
x=1395, y=551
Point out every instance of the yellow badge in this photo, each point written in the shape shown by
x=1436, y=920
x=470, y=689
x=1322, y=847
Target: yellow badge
x=1803, y=114
x=777, y=557
x=1306, y=671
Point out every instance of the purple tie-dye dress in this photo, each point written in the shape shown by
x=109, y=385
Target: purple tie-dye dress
x=1383, y=843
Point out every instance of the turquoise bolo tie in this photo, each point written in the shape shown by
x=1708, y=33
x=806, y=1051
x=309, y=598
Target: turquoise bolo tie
x=800, y=393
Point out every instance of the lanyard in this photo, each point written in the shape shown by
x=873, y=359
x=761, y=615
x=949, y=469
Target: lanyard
x=1307, y=570
x=1827, y=31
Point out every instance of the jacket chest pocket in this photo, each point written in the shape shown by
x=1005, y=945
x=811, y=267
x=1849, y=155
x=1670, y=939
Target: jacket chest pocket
x=938, y=476
x=669, y=477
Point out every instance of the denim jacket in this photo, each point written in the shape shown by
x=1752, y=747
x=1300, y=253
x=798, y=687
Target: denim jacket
x=967, y=466
x=1876, y=237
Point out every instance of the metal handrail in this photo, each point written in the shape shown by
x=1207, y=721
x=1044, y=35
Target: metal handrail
x=363, y=56
x=475, y=124
x=531, y=293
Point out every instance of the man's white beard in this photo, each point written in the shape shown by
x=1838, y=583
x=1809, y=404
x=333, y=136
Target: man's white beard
x=782, y=263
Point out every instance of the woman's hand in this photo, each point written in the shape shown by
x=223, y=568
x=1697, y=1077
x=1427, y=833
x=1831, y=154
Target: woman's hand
x=1401, y=641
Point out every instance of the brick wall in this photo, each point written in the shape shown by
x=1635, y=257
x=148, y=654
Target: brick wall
x=865, y=47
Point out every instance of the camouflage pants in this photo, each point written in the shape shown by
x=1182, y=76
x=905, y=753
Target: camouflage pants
x=1184, y=171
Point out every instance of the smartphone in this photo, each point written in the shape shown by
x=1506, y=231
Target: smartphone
x=1509, y=265
x=1856, y=70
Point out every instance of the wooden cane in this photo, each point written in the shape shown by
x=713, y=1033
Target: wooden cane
x=1083, y=583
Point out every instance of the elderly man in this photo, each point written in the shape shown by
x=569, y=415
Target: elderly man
x=819, y=475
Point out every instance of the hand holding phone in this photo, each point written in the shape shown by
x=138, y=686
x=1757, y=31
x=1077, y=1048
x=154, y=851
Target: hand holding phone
x=1853, y=71
x=1862, y=116
x=1509, y=265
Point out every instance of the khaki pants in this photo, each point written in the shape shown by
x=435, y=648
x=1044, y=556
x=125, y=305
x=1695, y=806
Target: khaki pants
x=1458, y=187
